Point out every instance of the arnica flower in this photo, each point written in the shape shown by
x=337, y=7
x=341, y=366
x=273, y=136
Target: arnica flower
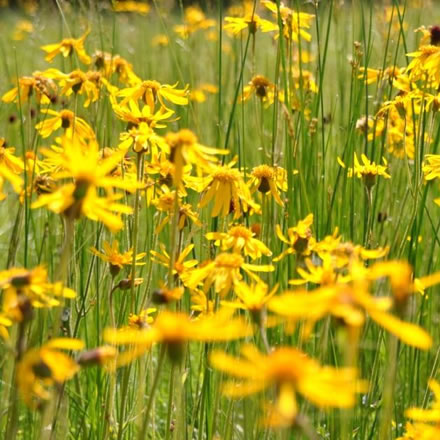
x=251, y=22
x=295, y=24
x=143, y=319
x=194, y=20
x=175, y=330
x=72, y=125
x=349, y=302
x=240, y=239
x=22, y=29
x=79, y=83
x=288, y=372
x=89, y=171
x=166, y=203
x=181, y=267
x=262, y=87
x=108, y=64
x=368, y=171
x=44, y=367
x=223, y=273
x=23, y=289
x=134, y=115
x=143, y=139
x=115, y=259
x=152, y=91
x=377, y=75
x=426, y=425
x=225, y=185
x=43, y=88
x=431, y=166
x=184, y=148
x=299, y=238
x=269, y=180
x=8, y=159
x=131, y=6
x=199, y=94
x=67, y=47
x=252, y=298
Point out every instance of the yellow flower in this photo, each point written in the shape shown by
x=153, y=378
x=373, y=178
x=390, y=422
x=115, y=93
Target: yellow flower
x=223, y=273
x=287, y=371
x=225, y=185
x=295, y=24
x=427, y=421
x=44, y=367
x=66, y=119
x=184, y=148
x=67, y=47
x=240, y=239
x=368, y=171
x=299, y=238
x=174, y=330
x=142, y=138
x=194, y=20
x=262, y=87
x=350, y=302
x=160, y=40
x=152, y=91
x=25, y=288
x=22, y=29
x=43, y=87
x=251, y=22
x=131, y=6
x=108, y=64
x=267, y=179
x=116, y=259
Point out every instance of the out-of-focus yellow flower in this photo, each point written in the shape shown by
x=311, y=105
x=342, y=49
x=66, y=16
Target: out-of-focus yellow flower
x=131, y=6
x=176, y=329
x=223, y=273
x=194, y=20
x=240, y=239
x=22, y=29
x=160, y=40
x=295, y=24
x=287, y=371
x=44, y=367
x=67, y=47
x=199, y=94
x=24, y=289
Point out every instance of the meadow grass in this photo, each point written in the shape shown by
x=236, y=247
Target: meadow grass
x=154, y=397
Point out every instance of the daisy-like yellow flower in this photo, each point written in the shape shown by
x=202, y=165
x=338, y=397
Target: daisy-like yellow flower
x=251, y=22
x=194, y=20
x=240, y=239
x=225, y=185
x=351, y=302
x=22, y=29
x=368, y=171
x=79, y=83
x=181, y=267
x=199, y=94
x=142, y=138
x=160, y=40
x=262, y=87
x=269, y=180
x=67, y=120
x=85, y=165
x=287, y=371
x=184, y=148
x=143, y=319
x=115, y=259
x=426, y=425
x=108, y=64
x=152, y=91
x=252, y=298
x=135, y=115
x=67, y=47
x=131, y=6
x=44, y=367
x=27, y=288
x=175, y=330
x=376, y=75
x=39, y=84
x=295, y=24
x=299, y=238
x=223, y=273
